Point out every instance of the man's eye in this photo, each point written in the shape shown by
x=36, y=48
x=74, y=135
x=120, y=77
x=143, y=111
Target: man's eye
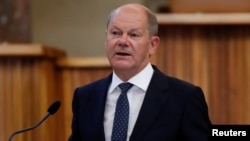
x=134, y=35
x=115, y=33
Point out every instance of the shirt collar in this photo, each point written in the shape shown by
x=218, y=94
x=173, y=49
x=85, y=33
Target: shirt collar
x=141, y=79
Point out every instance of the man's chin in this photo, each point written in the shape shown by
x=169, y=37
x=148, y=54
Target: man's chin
x=122, y=65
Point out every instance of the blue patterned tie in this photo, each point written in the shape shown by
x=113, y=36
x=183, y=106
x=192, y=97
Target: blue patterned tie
x=120, y=126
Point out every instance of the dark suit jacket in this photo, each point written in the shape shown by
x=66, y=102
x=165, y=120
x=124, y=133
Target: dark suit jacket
x=173, y=110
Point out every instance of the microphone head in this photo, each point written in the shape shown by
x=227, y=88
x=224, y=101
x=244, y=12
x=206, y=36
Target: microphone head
x=54, y=107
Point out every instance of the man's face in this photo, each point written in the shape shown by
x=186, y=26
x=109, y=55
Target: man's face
x=128, y=43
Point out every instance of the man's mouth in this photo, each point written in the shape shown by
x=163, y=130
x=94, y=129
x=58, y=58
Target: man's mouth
x=123, y=54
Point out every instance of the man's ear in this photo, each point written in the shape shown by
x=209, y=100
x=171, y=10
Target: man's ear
x=155, y=41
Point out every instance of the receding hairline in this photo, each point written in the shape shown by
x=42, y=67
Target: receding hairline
x=151, y=18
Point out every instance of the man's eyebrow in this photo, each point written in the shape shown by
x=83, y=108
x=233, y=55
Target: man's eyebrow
x=114, y=27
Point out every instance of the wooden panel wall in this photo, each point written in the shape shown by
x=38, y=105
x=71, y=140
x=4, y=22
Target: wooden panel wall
x=215, y=57
x=27, y=89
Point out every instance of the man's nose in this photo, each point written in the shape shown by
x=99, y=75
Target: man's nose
x=123, y=39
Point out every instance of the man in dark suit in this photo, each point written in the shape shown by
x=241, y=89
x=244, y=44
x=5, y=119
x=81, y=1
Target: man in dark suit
x=160, y=107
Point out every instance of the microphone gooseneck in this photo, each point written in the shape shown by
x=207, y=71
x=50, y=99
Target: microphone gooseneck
x=51, y=110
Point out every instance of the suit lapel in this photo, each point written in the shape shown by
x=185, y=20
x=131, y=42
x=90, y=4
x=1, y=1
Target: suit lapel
x=153, y=102
x=96, y=107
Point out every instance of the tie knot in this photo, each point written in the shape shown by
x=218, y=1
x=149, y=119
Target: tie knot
x=125, y=86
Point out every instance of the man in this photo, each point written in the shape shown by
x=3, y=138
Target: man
x=161, y=108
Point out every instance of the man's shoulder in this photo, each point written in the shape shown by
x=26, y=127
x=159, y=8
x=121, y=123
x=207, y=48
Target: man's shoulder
x=160, y=76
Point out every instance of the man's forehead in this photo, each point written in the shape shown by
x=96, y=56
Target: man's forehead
x=128, y=22
x=128, y=13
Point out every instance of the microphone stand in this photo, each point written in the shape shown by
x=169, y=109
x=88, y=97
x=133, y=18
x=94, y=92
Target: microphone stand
x=29, y=128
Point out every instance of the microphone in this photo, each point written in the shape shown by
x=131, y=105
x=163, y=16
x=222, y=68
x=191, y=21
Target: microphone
x=51, y=110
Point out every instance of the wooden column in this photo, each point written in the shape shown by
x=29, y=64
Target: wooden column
x=27, y=89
